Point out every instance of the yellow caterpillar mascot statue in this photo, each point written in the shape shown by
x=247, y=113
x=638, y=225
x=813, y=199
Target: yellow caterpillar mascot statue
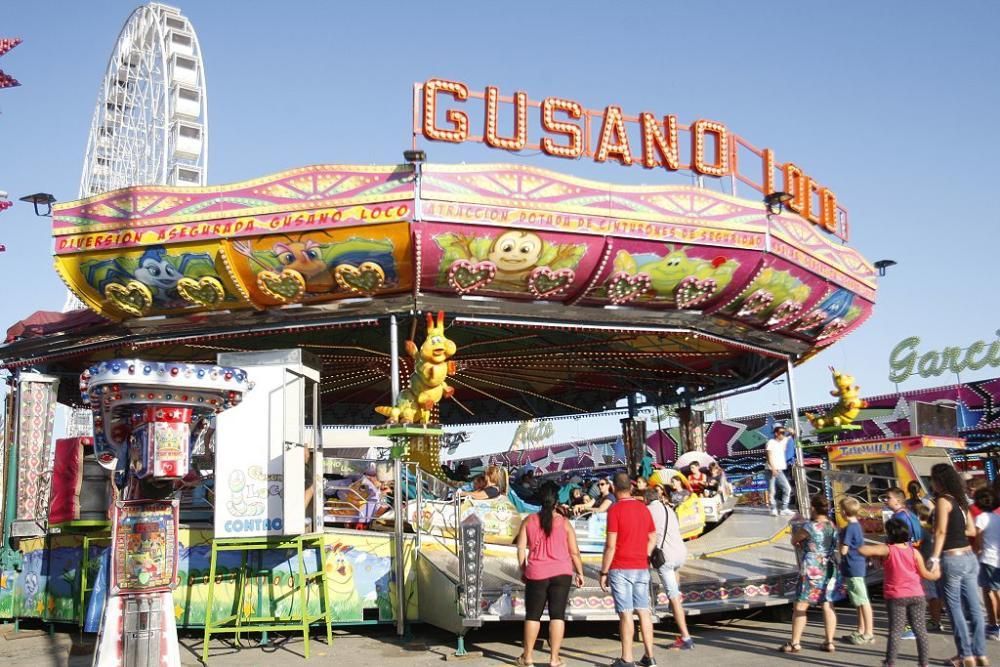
x=427, y=383
x=847, y=407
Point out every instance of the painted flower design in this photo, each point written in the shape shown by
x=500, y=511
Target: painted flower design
x=30, y=584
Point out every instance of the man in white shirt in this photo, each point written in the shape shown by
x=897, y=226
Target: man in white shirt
x=776, y=466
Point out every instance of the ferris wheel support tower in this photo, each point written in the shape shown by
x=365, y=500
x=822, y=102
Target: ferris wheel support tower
x=150, y=125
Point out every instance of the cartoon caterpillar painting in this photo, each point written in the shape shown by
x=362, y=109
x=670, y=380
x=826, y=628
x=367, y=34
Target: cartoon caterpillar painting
x=316, y=261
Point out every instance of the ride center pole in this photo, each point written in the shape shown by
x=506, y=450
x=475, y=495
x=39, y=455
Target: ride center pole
x=394, y=358
x=801, y=490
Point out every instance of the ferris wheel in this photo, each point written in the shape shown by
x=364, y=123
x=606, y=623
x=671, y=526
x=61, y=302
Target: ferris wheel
x=150, y=125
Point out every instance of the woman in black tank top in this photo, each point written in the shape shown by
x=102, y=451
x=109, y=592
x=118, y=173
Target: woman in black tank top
x=955, y=524
x=958, y=566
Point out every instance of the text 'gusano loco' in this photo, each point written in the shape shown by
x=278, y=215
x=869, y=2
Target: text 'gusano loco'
x=567, y=132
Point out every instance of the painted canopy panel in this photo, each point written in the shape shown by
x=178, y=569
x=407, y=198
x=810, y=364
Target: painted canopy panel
x=476, y=241
x=323, y=233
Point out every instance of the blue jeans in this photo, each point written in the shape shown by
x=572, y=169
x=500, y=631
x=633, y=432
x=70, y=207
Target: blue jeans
x=960, y=574
x=778, y=479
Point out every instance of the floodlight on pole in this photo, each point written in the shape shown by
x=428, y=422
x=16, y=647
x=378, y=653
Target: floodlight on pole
x=884, y=264
x=776, y=202
x=41, y=199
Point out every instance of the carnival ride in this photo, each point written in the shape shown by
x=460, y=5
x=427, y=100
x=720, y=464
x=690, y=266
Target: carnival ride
x=562, y=296
x=327, y=259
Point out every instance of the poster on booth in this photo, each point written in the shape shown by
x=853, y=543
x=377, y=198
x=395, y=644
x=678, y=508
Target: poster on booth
x=143, y=546
x=260, y=466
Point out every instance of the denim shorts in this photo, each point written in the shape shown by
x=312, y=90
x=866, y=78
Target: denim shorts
x=989, y=577
x=630, y=590
x=668, y=577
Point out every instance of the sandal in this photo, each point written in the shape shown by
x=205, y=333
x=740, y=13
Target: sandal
x=520, y=662
x=557, y=664
x=789, y=647
x=958, y=661
x=829, y=647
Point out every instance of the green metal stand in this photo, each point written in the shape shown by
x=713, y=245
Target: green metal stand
x=241, y=622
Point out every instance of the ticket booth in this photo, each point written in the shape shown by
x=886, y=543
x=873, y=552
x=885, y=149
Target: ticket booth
x=867, y=469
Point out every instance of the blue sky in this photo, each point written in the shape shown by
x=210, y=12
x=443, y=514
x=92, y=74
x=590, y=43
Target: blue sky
x=892, y=104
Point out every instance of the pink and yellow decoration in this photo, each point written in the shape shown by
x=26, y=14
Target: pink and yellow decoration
x=334, y=233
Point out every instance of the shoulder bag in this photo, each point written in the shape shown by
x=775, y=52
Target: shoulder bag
x=657, y=559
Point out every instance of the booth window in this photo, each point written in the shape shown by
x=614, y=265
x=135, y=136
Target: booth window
x=883, y=474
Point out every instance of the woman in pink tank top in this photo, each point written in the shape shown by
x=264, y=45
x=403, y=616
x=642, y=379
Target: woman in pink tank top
x=902, y=588
x=548, y=555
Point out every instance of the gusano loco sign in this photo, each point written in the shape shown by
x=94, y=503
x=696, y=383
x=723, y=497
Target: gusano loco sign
x=906, y=359
x=567, y=132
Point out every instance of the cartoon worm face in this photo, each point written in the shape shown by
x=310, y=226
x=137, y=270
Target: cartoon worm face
x=303, y=257
x=157, y=273
x=516, y=251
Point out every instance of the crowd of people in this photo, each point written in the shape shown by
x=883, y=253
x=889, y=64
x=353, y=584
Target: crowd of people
x=579, y=496
x=938, y=553
x=642, y=535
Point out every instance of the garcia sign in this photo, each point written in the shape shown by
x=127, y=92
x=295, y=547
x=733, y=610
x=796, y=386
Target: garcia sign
x=905, y=359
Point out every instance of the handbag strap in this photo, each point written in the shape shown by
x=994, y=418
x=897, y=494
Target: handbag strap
x=666, y=522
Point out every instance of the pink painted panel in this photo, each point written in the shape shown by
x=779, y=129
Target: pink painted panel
x=510, y=262
x=672, y=275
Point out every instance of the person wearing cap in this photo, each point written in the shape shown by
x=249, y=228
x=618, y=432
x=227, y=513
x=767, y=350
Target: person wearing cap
x=776, y=466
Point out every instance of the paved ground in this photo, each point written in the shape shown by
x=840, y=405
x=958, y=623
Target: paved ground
x=742, y=641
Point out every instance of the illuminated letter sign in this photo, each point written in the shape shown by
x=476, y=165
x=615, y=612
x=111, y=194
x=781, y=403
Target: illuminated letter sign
x=905, y=360
x=459, y=121
x=572, y=109
x=520, y=138
x=652, y=139
x=568, y=131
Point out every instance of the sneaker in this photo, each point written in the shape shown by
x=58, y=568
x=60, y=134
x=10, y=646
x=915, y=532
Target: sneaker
x=681, y=644
x=908, y=633
x=869, y=639
x=933, y=627
x=647, y=661
x=621, y=663
x=787, y=512
x=993, y=632
x=774, y=512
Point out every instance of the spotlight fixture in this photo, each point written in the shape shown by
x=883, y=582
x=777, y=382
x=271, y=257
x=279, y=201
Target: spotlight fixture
x=415, y=156
x=41, y=199
x=884, y=264
x=776, y=201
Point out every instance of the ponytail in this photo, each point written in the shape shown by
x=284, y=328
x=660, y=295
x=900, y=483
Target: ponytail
x=549, y=495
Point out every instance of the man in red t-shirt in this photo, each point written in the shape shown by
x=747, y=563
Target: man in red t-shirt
x=631, y=538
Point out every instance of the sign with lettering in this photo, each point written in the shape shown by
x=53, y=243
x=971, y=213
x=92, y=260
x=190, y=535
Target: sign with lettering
x=906, y=358
x=441, y=113
x=867, y=449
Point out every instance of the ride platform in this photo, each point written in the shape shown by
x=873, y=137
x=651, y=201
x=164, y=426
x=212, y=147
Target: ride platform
x=746, y=562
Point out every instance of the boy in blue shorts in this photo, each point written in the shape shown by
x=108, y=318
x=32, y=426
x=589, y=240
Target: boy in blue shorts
x=855, y=569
